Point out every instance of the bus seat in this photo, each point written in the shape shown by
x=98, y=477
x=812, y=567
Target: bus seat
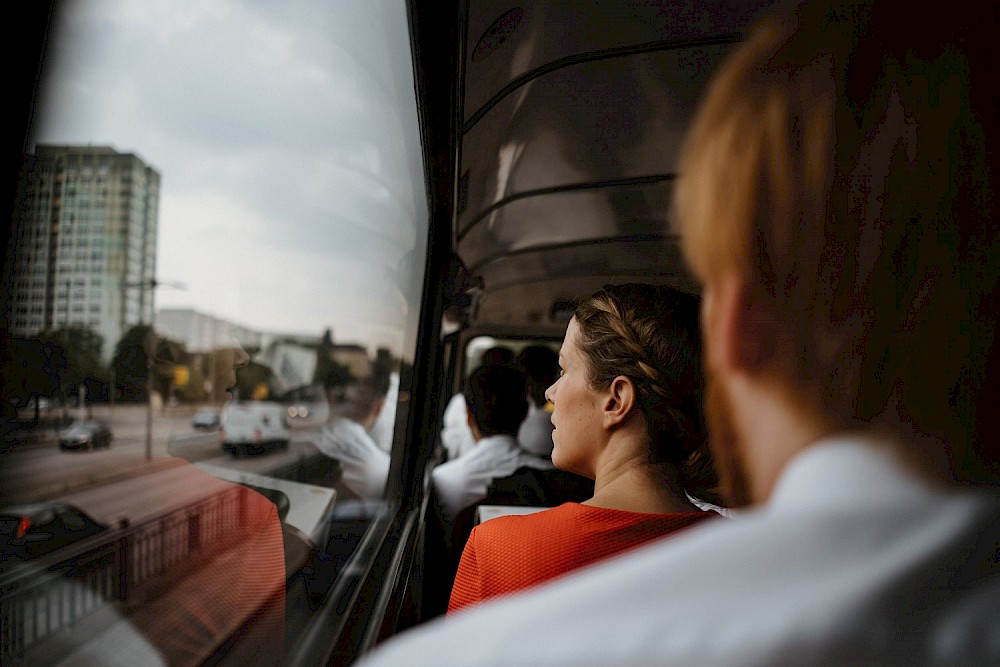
x=541, y=488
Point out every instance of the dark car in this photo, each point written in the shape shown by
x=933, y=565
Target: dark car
x=206, y=418
x=85, y=435
x=29, y=531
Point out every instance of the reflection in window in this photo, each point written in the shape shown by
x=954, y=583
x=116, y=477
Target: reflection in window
x=256, y=268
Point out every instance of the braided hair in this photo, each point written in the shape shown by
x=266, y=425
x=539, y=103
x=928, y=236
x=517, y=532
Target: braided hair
x=651, y=335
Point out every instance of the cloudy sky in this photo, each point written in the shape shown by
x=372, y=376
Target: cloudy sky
x=285, y=136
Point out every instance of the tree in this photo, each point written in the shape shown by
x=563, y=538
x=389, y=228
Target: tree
x=324, y=358
x=329, y=373
x=169, y=353
x=30, y=368
x=129, y=363
x=81, y=348
x=254, y=381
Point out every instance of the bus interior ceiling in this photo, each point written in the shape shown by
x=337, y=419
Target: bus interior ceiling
x=570, y=123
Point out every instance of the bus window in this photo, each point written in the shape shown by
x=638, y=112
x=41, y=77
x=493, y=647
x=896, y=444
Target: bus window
x=218, y=253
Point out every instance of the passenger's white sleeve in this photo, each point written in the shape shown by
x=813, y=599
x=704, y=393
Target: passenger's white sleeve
x=456, y=436
x=453, y=488
x=365, y=466
x=381, y=430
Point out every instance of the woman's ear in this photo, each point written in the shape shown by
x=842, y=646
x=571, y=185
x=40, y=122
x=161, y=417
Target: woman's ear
x=620, y=399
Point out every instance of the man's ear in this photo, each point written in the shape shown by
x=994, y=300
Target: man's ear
x=619, y=401
x=374, y=412
x=736, y=326
x=473, y=426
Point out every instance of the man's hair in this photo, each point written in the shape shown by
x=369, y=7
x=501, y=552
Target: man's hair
x=650, y=335
x=540, y=365
x=842, y=166
x=498, y=354
x=495, y=394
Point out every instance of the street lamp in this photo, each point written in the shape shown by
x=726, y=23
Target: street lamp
x=150, y=345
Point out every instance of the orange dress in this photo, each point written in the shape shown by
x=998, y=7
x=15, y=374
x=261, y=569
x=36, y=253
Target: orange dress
x=509, y=553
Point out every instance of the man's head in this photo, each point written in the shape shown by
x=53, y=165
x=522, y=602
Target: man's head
x=838, y=198
x=540, y=365
x=495, y=395
x=498, y=355
x=368, y=397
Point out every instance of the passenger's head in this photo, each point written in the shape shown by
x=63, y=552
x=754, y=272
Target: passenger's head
x=498, y=354
x=495, y=395
x=368, y=397
x=838, y=174
x=540, y=365
x=648, y=337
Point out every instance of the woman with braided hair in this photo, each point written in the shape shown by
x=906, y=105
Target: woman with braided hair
x=627, y=415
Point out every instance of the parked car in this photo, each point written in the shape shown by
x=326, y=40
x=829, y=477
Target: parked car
x=29, y=531
x=206, y=418
x=87, y=435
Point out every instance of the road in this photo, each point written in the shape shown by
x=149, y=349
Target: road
x=120, y=484
x=41, y=471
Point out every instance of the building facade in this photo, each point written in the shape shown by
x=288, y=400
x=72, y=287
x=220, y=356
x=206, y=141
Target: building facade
x=201, y=332
x=83, y=248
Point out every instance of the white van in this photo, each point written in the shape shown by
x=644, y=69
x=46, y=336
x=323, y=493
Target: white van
x=253, y=427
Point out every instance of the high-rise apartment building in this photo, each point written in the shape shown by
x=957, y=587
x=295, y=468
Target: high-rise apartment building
x=83, y=249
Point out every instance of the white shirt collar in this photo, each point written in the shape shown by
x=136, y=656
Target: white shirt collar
x=847, y=471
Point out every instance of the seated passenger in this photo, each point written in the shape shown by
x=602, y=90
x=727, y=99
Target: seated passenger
x=456, y=436
x=540, y=365
x=381, y=430
x=347, y=437
x=837, y=200
x=496, y=406
x=627, y=415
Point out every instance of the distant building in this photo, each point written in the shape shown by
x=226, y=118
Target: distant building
x=200, y=332
x=291, y=357
x=83, y=248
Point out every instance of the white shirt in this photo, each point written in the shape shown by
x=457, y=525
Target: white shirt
x=385, y=423
x=535, y=434
x=852, y=560
x=456, y=436
x=364, y=465
x=461, y=482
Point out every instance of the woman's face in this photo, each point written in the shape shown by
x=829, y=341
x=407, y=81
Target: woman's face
x=240, y=358
x=577, y=416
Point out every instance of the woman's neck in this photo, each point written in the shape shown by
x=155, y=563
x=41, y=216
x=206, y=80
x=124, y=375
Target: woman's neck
x=640, y=487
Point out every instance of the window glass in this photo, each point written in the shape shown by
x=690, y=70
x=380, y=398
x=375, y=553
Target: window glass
x=257, y=269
